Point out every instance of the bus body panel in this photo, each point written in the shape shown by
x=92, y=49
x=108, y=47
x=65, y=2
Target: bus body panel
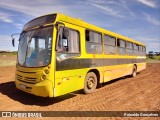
x=69, y=75
x=44, y=88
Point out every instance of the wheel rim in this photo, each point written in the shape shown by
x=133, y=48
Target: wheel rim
x=90, y=83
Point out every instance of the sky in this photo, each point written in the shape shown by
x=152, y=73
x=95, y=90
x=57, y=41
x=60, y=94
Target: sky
x=136, y=19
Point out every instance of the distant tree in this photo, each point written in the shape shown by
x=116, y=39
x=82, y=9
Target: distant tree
x=151, y=54
x=157, y=53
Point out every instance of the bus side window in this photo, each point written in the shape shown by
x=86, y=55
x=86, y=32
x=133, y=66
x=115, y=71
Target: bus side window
x=93, y=42
x=74, y=41
x=109, y=45
x=129, y=47
x=121, y=47
x=136, y=48
x=64, y=42
x=140, y=50
x=144, y=50
x=70, y=43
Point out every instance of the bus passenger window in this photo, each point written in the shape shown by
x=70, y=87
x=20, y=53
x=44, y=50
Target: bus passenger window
x=144, y=51
x=74, y=43
x=136, y=48
x=140, y=50
x=70, y=44
x=93, y=42
x=109, y=45
x=121, y=47
x=129, y=47
x=64, y=42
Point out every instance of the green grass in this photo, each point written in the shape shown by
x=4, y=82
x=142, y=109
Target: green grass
x=9, y=53
x=8, y=59
x=7, y=63
x=156, y=59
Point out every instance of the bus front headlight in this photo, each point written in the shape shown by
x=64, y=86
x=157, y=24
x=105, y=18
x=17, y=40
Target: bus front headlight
x=46, y=71
x=43, y=77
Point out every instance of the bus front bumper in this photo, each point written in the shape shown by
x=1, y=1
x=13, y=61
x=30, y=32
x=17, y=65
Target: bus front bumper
x=43, y=89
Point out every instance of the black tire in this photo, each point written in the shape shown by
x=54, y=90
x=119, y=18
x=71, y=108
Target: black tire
x=90, y=83
x=134, y=71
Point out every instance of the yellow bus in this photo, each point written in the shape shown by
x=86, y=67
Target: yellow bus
x=58, y=54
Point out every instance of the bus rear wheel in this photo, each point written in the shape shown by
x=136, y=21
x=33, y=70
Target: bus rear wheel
x=90, y=82
x=134, y=72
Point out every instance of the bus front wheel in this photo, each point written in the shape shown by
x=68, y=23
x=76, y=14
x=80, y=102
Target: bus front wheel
x=90, y=82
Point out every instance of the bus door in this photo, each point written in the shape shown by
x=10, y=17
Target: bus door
x=67, y=67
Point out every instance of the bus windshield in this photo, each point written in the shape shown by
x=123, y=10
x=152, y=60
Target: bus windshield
x=34, y=48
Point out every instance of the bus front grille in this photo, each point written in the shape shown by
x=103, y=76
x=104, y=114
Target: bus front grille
x=19, y=77
x=30, y=80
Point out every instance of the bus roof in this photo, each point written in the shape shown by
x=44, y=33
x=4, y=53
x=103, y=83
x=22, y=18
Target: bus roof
x=81, y=23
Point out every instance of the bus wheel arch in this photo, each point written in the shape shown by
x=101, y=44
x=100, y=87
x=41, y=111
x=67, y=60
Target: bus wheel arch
x=97, y=74
x=91, y=81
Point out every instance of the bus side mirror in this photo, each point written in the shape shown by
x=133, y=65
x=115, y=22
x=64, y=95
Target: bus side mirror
x=13, y=42
x=13, y=38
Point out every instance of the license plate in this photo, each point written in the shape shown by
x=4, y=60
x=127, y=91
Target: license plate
x=22, y=86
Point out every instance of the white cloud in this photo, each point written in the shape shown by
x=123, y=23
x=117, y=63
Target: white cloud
x=118, y=8
x=4, y=38
x=146, y=39
x=152, y=43
x=100, y=1
x=149, y=3
x=5, y=17
x=154, y=47
x=151, y=19
x=33, y=8
x=108, y=10
x=18, y=25
x=6, y=43
x=84, y=10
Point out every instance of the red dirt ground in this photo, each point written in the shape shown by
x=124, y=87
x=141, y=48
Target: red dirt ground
x=125, y=94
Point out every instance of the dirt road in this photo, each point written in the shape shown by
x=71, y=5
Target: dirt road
x=125, y=94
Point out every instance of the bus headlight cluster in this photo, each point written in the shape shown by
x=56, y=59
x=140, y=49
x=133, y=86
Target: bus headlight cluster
x=44, y=74
x=44, y=77
x=46, y=71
